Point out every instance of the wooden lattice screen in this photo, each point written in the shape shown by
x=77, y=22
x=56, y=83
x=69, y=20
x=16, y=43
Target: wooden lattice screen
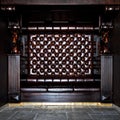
x=62, y=55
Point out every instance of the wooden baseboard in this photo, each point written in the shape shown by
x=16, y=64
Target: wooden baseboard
x=60, y=97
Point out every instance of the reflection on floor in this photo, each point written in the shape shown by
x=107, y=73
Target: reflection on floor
x=59, y=112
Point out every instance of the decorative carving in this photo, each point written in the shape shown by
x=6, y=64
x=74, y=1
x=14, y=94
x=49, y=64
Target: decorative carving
x=14, y=41
x=60, y=54
x=105, y=48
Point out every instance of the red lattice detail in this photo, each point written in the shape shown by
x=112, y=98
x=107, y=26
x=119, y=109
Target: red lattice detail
x=62, y=55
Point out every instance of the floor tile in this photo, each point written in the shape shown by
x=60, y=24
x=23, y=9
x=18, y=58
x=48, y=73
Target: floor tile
x=6, y=114
x=23, y=115
x=78, y=116
x=107, y=111
x=105, y=117
x=51, y=116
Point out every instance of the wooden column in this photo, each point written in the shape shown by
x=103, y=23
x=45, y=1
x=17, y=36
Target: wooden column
x=14, y=78
x=106, y=78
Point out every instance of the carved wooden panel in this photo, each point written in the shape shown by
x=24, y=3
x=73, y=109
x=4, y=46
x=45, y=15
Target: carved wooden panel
x=60, y=55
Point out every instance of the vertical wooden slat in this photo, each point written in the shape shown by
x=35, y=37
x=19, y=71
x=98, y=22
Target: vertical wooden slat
x=106, y=78
x=14, y=77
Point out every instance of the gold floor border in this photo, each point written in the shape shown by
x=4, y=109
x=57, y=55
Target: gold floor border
x=61, y=103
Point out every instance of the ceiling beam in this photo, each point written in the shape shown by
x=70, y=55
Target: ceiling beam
x=60, y=2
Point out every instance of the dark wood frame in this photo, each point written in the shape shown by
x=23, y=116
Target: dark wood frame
x=60, y=2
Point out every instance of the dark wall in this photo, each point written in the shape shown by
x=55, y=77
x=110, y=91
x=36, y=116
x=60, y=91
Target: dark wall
x=3, y=60
x=3, y=79
x=116, y=63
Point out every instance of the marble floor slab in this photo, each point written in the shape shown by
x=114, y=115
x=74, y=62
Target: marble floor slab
x=57, y=112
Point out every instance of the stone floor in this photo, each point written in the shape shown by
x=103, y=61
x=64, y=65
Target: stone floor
x=57, y=112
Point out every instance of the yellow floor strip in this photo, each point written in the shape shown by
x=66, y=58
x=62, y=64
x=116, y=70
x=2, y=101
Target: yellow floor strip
x=61, y=103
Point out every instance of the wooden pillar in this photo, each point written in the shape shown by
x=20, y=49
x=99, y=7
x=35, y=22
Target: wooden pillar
x=14, y=78
x=106, y=78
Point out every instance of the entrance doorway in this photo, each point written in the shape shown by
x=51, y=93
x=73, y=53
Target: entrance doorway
x=60, y=62
x=60, y=54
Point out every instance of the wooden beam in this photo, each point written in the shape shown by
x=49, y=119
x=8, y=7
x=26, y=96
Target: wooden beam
x=60, y=2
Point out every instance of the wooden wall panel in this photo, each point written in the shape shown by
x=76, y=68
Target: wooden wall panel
x=14, y=77
x=3, y=62
x=115, y=44
x=116, y=87
x=106, y=78
x=3, y=79
x=61, y=97
x=59, y=2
